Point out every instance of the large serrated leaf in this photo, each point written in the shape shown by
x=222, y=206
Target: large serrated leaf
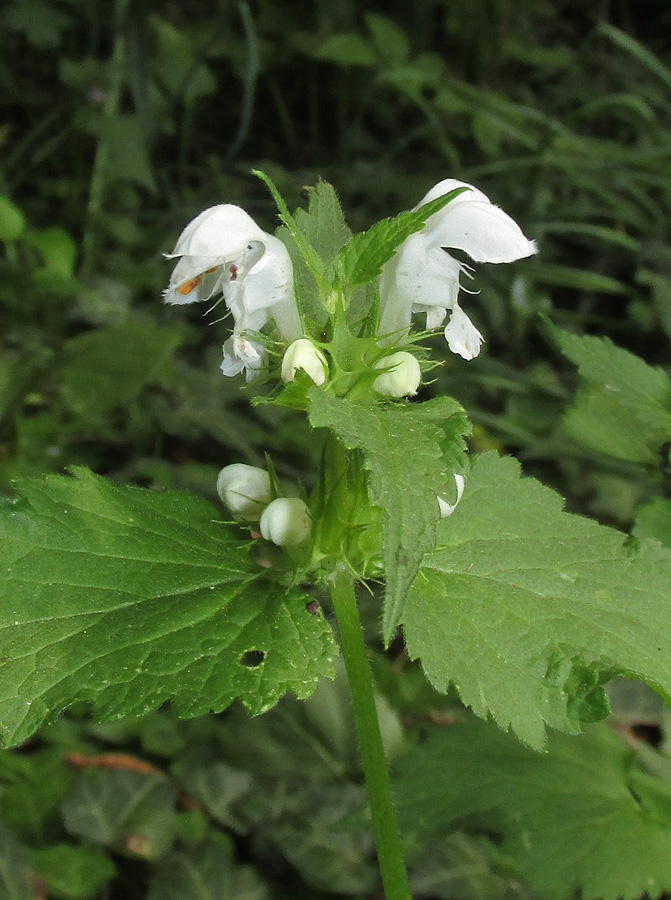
x=573, y=819
x=127, y=598
x=528, y=610
x=623, y=407
x=410, y=453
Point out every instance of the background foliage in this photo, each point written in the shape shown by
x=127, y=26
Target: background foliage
x=118, y=123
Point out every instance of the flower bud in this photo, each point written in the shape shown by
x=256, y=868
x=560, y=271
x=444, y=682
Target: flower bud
x=402, y=375
x=303, y=354
x=286, y=522
x=245, y=490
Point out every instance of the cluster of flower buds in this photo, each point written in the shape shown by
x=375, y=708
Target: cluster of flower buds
x=246, y=491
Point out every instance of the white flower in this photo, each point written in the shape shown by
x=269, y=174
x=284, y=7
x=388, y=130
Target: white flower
x=446, y=509
x=423, y=278
x=303, y=354
x=223, y=251
x=401, y=375
x=286, y=522
x=245, y=490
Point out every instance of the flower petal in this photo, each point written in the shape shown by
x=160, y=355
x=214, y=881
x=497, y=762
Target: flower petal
x=241, y=353
x=220, y=231
x=473, y=224
x=194, y=278
x=461, y=334
x=446, y=509
x=417, y=279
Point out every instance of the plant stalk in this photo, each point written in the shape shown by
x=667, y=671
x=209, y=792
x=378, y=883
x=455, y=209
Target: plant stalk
x=378, y=783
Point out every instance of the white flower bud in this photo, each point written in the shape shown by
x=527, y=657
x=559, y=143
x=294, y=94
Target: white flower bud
x=286, y=522
x=245, y=490
x=402, y=375
x=303, y=354
x=446, y=509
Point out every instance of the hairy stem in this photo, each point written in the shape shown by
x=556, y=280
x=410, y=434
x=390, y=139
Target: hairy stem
x=378, y=784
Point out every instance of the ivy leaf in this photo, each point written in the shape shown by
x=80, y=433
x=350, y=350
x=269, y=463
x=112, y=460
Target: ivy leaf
x=122, y=809
x=576, y=819
x=128, y=598
x=410, y=452
x=73, y=873
x=528, y=610
x=362, y=258
x=18, y=879
x=623, y=407
x=206, y=871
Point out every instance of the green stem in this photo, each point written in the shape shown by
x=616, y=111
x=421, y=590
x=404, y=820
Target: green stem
x=385, y=827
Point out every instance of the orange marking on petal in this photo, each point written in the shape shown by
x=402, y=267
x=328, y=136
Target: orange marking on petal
x=189, y=285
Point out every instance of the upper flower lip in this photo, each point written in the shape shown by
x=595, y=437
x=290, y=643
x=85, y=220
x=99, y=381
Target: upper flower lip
x=472, y=223
x=220, y=232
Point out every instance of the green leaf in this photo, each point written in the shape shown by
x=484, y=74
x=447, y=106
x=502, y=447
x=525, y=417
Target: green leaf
x=179, y=70
x=12, y=220
x=218, y=787
x=623, y=407
x=128, y=598
x=362, y=258
x=470, y=868
x=73, y=873
x=126, y=150
x=57, y=249
x=390, y=41
x=18, y=880
x=528, y=610
x=122, y=809
x=653, y=520
x=324, y=224
x=571, y=819
x=325, y=230
x=578, y=279
x=205, y=872
x=345, y=49
x=30, y=801
x=410, y=453
x=107, y=368
x=320, y=839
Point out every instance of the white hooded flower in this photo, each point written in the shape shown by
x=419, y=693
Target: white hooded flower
x=423, y=278
x=223, y=251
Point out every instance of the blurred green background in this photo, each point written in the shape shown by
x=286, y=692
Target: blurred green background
x=120, y=121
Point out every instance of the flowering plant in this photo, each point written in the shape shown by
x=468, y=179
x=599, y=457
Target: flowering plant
x=520, y=608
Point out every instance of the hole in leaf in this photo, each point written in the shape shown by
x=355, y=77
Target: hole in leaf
x=252, y=658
